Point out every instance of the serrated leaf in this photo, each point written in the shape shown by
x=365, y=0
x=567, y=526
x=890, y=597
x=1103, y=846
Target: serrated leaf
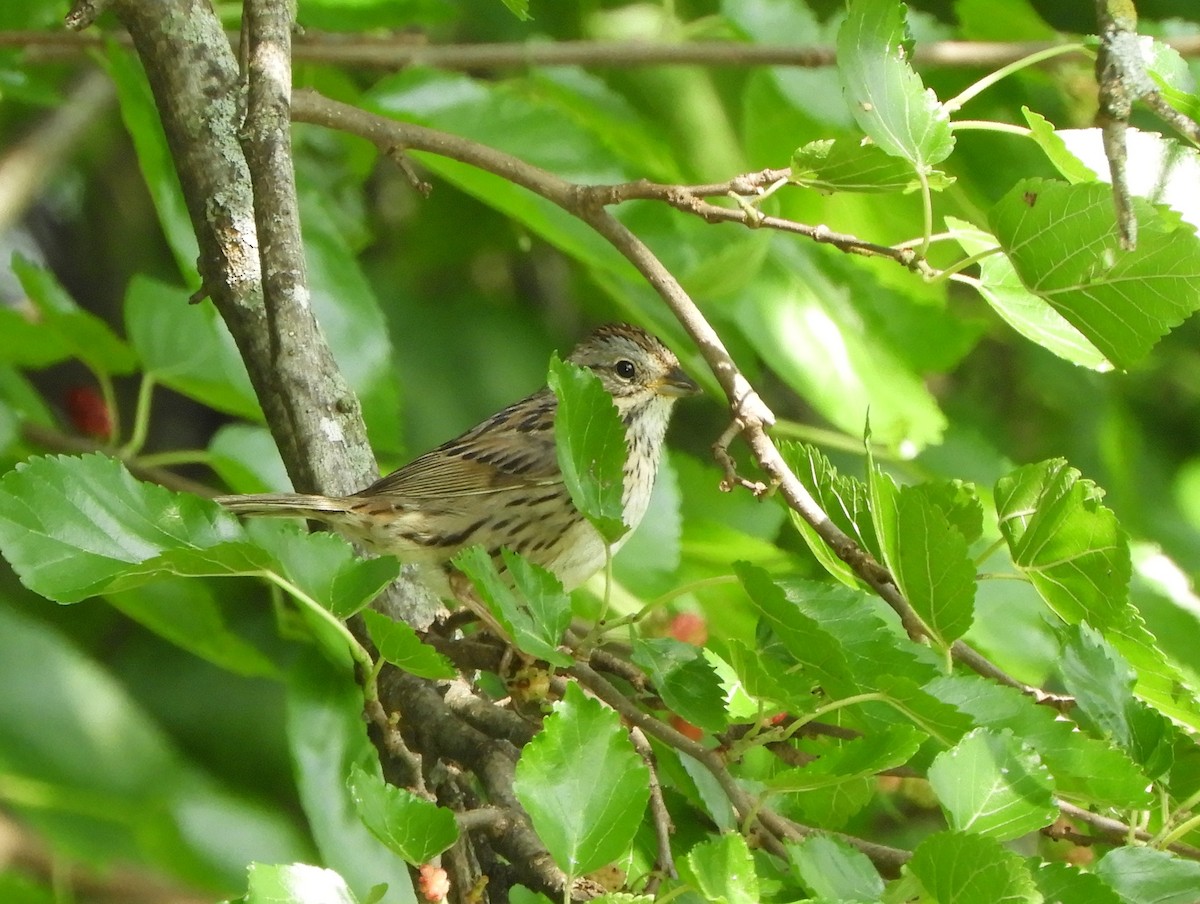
x=959, y=502
x=1055, y=148
x=724, y=870
x=296, y=883
x=852, y=759
x=812, y=647
x=937, y=719
x=1142, y=875
x=399, y=644
x=1122, y=301
x=961, y=868
x=842, y=164
x=993, y=784
x=1080, y=764
x=833, y=870
x=684, y=679
x=85, y=335
x=71, y=526
x=1067, y=543
x=584, y=787
x=534, y=609
x=413, y=827
x=188, y=347
x=870, y=635
x=929, y=558
x=1102, y=683
x=1031, y=316
x=843, y=499
x=1064, y=884
x=1159, y=169
x=885, y=94
x=324, y=565
x=591, y=448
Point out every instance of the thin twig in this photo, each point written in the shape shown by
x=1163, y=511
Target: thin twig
x=747, y=407
x=663, y=828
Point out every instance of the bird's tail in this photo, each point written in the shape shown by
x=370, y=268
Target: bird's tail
x=284, y=505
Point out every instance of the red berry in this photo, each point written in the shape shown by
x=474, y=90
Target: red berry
x=88, y=413
x=690, y=628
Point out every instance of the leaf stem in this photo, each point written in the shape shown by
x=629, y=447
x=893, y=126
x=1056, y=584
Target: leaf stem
x=954, y=103
x=988, y=125
x=987, y=553
x=357, y=652
x=926, y=213
x=172, y=458
x=141, y=418
x=963, y=265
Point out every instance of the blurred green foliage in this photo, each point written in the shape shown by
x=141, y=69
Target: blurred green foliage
x=187, y=728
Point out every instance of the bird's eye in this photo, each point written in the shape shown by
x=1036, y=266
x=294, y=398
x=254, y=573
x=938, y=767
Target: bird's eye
x=625, y=369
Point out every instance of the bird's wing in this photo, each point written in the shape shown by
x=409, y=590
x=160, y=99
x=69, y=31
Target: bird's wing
x=513, y=449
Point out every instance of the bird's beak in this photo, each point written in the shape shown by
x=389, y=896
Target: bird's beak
x=677, y=384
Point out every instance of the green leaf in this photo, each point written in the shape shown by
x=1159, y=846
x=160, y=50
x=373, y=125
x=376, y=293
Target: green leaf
x=519, y=8
x=535, y=611
x=108, y=783
x=842, y=164
x=814, y=649
x=806, y=323
x=1102, y=683
x=591, y=446
x=71, y=527
x=140, y=115
x=684, y=679
x=1122, y=301
x=1142, y=875
x=1031, y=316
x=84, y=335
x=1159, y=169
x=963, y=868
x=993, y=784
x=327, y=739
x=189, y=615
x=247, y=459
x=27, y=342
x=584, y=787
x=352, y=320
x=857, y=758
x=724, y=870
x=296, y=883
x=1067, y=543
x=937, y=719
x=399, y=644
x=833, y=870
x=188, y=347
x=885, y=95
x=324, y=565
x=1080, y=764
x=843, y=499
x=413, y=827
x=959, y=502
x=1064, y=884
x=1055, y=148
x=928, y=557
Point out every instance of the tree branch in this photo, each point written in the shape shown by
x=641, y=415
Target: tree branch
x=399, y=51
x=750, y=414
